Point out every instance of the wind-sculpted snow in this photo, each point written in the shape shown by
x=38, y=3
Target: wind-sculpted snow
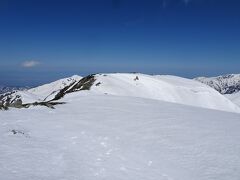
x=105, y=137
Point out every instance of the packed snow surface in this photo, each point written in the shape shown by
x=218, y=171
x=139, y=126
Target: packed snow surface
x=166, y=88
x=119, y=138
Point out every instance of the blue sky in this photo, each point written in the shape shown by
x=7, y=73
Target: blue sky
x=44, y=40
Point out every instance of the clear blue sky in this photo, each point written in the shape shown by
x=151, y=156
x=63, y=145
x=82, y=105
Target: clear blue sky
x=44, y=40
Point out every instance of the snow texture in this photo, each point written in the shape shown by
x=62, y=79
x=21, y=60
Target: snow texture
x=119, y=138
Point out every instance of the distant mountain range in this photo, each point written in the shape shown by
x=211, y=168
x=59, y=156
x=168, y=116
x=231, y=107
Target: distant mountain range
x=5, y=89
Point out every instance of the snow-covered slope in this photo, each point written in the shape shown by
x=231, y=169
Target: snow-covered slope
x=235, y=97
x=167, y=88
x=48, y=91
x=99, y=137
x=226, y=84
x=42, y=93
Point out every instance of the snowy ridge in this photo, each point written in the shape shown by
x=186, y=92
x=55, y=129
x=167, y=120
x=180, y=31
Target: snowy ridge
x=42, y=93
x=48, y=91
x=226, y=84
x=167, y=88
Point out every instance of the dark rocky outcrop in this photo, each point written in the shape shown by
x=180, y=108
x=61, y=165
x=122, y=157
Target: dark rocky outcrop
x=11, y=99
x=84, y=84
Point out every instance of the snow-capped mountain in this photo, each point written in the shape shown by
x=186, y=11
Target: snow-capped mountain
x=44, y=93
x=49, y=91
x=166, y=88
x=5, y=89
x=226, y=84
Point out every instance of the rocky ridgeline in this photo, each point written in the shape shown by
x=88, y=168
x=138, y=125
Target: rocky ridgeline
x=14, y=99
x=84, y=84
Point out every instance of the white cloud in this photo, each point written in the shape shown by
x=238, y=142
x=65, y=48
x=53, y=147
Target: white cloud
x=30, y=64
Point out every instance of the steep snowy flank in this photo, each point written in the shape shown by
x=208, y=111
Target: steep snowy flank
x=167, y=88
x=99, y=137
x=39, y=94
x=48, y=91
x=226, y=84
